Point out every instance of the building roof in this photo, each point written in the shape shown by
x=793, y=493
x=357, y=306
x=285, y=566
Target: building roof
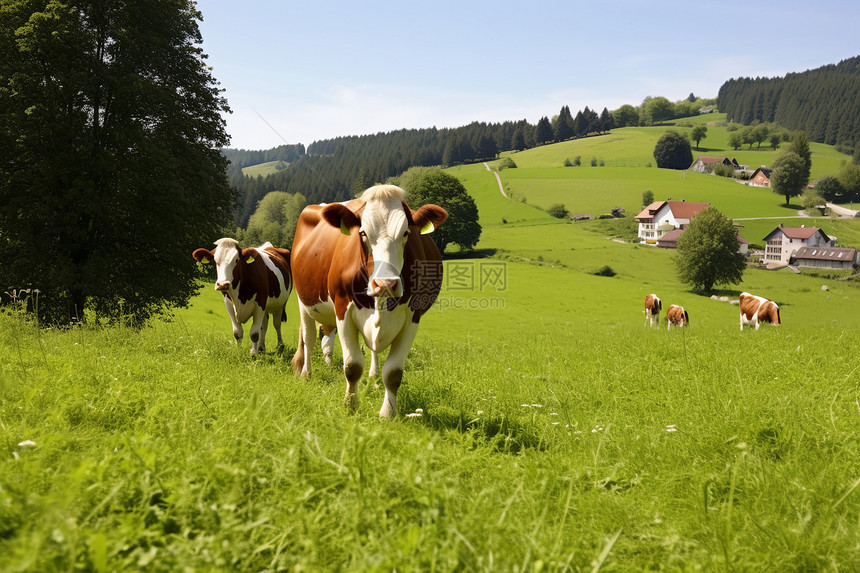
x=766, y=170
x=686, y=209
x=670, y=239
x=651, y=210
x=798, y=232
x=826, y=253
x=711, y=160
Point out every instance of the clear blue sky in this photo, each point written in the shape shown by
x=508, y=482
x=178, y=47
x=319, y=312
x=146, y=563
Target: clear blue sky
x=298, y=72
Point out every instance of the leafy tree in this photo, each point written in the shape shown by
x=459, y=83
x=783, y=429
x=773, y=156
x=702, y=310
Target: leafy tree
x=647, y=197
x=443, y=189
x=111, y=174
x=699, y=133
x=275, y=220
x=775, y=140
x=789, y=176
x=507, y=163
x=625, y=116
x=830, y=189
x=658, y=110
x=760, y=133
x=558, y=210
x=673, y=151
x=849, y=179
x=735, y=140
x=708, y=252
x=800, y=145
x=543, y=131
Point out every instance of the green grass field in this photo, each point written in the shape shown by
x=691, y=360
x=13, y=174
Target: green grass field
x=542, y=426
x=264, y=169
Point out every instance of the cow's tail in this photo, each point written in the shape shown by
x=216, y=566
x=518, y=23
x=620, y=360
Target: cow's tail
x=298, y=361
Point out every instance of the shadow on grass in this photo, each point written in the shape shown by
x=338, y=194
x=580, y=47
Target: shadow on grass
x=503, y=434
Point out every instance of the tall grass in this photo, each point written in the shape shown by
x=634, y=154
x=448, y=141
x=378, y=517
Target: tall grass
x=557, y=441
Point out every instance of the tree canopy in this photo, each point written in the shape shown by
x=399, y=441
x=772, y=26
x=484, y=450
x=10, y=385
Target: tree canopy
x=673, y=151
x=111, y=172
x=275, y=220
x=440, y=188
x=789, y=176
x=708, y=252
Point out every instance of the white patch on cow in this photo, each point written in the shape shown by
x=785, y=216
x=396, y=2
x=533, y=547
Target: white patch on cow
x=384, y=228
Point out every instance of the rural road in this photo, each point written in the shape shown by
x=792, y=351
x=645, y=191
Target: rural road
x=499, y=179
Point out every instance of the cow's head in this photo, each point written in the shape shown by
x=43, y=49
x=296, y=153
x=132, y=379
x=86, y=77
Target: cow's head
x=383, y=226
x=769, y=313
x=228, y=258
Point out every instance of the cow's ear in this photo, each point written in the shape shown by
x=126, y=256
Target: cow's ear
x=203, y=256
x=248, y=255
x=429, y=218
x=340, y=216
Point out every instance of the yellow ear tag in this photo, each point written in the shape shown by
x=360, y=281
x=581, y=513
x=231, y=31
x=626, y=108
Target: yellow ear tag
x=343, y=228
x=250, y=259
x=206, y=260
x=428, y=228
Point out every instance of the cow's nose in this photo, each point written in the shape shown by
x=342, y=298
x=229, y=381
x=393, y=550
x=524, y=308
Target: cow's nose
x=383, y=286
x=222, y=286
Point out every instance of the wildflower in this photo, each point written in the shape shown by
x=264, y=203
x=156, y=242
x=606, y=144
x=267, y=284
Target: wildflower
x=27, y=444
x=670, y=428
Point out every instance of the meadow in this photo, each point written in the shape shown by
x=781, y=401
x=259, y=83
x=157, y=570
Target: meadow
x=542, y=426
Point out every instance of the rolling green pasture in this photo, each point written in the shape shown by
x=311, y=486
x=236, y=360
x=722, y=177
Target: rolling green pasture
x=264, y=169
x=542, y=426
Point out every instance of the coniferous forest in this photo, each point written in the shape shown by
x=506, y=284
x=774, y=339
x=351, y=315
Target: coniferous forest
x=824, y=102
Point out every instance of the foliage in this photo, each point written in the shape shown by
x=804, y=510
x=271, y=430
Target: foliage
x=789, y=176
x=111, y=172
x=708, y=252
x=813, y=203
x=647, y=197
x=673, y=151
x=507, y=162
x=558, y=211
x=699, y=133
x=605, y=271
x=543, y=131
x=443, y=189
x=830, y=189
x=274, y=220
x=822, y=101
x=849, y=179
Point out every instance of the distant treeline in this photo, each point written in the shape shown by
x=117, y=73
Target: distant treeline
x=337, y=169
x=824, y=102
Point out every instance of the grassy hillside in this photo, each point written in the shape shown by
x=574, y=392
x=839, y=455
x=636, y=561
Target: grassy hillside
x=264, y=169
x=542, y=426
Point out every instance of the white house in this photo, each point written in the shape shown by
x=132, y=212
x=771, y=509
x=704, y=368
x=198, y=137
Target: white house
x=783, y=242
x=661, y=217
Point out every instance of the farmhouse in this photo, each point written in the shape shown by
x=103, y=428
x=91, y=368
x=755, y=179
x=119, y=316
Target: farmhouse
x=706, y=164
x=783, y=242
x=827, y=257
x=761, y=177
x=662, y=217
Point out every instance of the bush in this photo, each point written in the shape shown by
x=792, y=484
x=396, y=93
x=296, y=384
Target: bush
x=568, y=162
x=507, y=163
x=558, y=211
x=605, y=271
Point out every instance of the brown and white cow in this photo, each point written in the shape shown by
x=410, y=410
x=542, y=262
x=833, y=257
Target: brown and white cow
x=756, y=309
x=368, y=267
x=653, y=306
x=676, y=315
x=256, y=282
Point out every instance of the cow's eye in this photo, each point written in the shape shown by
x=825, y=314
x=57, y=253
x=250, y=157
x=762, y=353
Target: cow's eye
x=406, y=234
x=363, y=235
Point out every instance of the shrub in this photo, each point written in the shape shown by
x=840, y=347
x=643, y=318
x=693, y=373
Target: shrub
x=568, y=162
x=605, y=271
x=558, y=211
x=507, y=163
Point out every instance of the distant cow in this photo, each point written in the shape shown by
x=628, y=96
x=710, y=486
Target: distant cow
x=653, y=306
x=676, y=315
x=756, y=310
x=256, y=282
x=367, y=267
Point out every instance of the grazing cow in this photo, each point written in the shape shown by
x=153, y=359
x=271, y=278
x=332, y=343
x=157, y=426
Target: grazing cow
x=255, y=283
x=756, y=310
x=676, y=315
x=367, y=267
x=653, y=306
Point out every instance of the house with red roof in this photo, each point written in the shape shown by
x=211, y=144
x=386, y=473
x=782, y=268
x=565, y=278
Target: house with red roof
x=784, y=242
x=662, y=217
x=706, y=164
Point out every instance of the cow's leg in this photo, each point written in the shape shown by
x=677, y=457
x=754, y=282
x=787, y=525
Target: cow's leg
x=742, y=321
x=353, y=359
x=259, y=318
x=238, y=331
x=327, y=341
x=307, y=339
x=261, y=347
x=392, y=371
x=374, y=365
x=279, y=315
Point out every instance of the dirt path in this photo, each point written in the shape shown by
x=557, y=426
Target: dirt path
x=499, y=180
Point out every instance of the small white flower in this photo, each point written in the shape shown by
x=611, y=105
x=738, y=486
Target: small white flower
x=527, y=405
x=480, y=412
x=537, y=405
x=553, y=413
x=419, y=410
x=27, y=444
